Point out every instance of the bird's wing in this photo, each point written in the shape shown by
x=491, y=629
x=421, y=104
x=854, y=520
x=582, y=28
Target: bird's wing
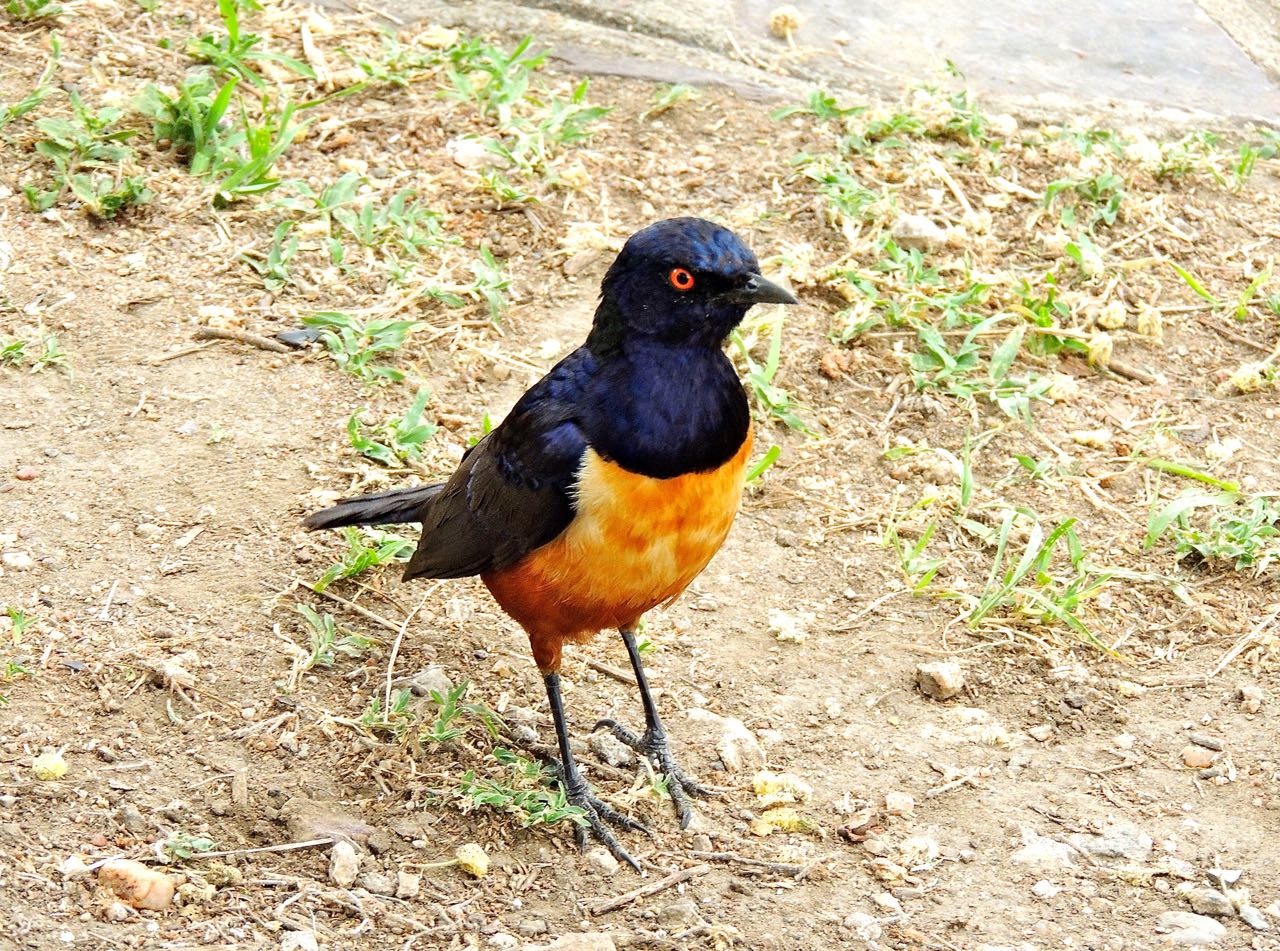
x=512, y=492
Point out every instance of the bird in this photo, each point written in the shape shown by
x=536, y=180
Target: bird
x=610, y=484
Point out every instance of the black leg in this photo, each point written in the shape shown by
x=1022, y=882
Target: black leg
x=654, y=742
x=579, y=793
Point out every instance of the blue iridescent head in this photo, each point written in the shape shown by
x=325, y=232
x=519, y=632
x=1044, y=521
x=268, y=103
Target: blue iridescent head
x=681, y=280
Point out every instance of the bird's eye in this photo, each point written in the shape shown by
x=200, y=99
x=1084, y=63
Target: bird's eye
x=680, y=279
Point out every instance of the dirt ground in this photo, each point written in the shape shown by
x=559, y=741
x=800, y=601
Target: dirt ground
x=153, y=488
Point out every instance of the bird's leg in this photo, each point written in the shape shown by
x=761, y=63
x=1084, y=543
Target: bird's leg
x=576, y=790
x=653, y=744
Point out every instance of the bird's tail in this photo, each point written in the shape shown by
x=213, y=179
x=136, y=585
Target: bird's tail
x=383, y=508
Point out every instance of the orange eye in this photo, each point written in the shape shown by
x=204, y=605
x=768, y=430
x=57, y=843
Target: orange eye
x=680, y=279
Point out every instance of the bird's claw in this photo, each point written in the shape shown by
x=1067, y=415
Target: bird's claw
x=653, y=747
x=596, y=813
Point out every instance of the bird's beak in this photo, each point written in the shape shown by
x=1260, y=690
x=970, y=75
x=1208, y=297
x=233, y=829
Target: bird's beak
x=757, y=290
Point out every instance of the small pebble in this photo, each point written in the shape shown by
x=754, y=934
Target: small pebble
x=916, y=232
x=1251, y=698
x=941, y=680
x=1254, y=918
x=148, y=530
x=899, y=803
x=344, y=864
x=1042, y=733
x=1210, y=901
x=377, y=883
x=26, y=473
x=611, y=750
x=17, y=560
x=602, y=860
x=1045, y=889
x=408, y=884
x=1208, y=742
x=1197, y=757
x=682, y=912
x=299, y=941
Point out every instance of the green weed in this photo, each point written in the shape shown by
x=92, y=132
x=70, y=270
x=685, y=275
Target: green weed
x=397, y=64
x=493, y=79
x=840, y=186
x=358, y=347
x=19, y=621
x=13, y=352
x=28, y=11
x=1100, y=197
x=326, y=641
x=404, y=437
x=526, y=791
x=666, y=97
x=180, y=846
x=273, y=267
x=190, y=121
x=772, y=399
x=367, y=548
x=236, y=52
x=43, y=89
x=820, y=104
x=1240, y=531
x=80, y=146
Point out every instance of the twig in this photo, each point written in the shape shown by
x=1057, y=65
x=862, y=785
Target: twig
x=285, y=847
x=1240, y=645
x=968, y=779
x=782, y=868
x=1130, y=372
x=619, y=675
x=241, y=336
x=185, y=351
x=644, y=891
x=395, y=645
x=350, y=605
x=1232, y=335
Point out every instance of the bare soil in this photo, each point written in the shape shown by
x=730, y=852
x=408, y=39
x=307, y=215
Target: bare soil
x=163, y=523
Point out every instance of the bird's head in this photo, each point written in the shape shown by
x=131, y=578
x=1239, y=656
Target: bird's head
x=682, y=280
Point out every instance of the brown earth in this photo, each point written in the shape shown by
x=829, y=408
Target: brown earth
x=163, y=526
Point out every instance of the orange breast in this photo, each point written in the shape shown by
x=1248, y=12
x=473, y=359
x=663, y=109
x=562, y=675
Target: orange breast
x=634, y=543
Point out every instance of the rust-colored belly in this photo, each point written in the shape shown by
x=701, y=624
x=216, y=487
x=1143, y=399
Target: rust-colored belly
x=635, y=542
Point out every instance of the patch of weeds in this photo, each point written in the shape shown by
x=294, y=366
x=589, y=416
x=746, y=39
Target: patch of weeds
x=883, y=132
x=190, y=119
x=847, y=196
x=247, y=165
x=273, y=267
x=13, y=352
x=772, y=399
x=236, y=52
x=42, y=90
x=918, y=568
x=1042, y=307
x=531, y=143
x=820, y=104
x=1032, y=587
x=1240, y=531
x=30, y=11
x=358, y=347
x=1194, y=152
x=180, y=846
x=959, y=372
x=91, y=141
x=491, y=284
x=526, y=790
x=367, y=548
x=19, y=621
x=409, y=226
x=486, y=427
x=403, y=438
x=396, y=64
x=1099, y=197
x=666, y=97
x=493, y=79
x=448, y=725
x=1088, y=140
x=395, y=719
x=326, y=641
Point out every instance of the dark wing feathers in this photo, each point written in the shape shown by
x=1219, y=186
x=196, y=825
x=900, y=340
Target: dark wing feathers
x=513, y=491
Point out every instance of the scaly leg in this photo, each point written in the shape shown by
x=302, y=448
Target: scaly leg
x=579, y=793
x=653, y=744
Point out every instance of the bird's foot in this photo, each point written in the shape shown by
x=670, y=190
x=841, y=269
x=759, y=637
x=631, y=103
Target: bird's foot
x=595, y=814
x=653, y=747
